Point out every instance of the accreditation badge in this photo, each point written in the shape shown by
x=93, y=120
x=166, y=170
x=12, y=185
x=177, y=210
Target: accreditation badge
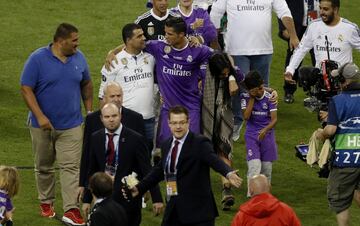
x=171, y=185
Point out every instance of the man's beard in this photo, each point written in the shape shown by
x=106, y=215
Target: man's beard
x=330, y=19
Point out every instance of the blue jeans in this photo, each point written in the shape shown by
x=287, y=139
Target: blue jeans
x=261, y=63
x=149, y=125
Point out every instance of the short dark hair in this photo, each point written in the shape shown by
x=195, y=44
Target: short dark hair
x=64, y=31
x=334, y=3
x=101, y=185
x=253, y=80
x=178, y=109
x=176, y=23
x=128, y=31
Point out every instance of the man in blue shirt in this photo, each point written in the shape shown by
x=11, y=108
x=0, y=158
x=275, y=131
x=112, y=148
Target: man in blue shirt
x=54, y=80
x=343, y=125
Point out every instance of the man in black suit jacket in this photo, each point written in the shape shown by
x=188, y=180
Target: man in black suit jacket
x=297, y=9
x=106, y=212
x=187, y=158
x=112, y=94
x=130, y=155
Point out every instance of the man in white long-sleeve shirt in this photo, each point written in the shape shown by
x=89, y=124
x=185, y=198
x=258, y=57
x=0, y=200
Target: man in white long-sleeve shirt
x=342, y=37
x=248, y=38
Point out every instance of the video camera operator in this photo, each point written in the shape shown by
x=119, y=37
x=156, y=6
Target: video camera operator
x=343, y=125
x=331, y=35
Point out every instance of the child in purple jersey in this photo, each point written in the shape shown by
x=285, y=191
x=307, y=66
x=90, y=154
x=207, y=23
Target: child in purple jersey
x=261, y=116
x=9, y=187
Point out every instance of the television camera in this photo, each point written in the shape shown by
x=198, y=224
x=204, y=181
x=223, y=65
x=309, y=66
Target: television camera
x=320, y=86
x=318, y=83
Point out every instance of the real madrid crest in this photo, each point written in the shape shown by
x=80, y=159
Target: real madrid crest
x=189, y=59
x=150, y=30
x=340, y=38
x=264, y=106
x=124, y=61
x=146, y=60
x=167, y=49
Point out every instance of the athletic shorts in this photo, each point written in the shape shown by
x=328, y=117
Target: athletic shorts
x=265, y=150
x=342, y=183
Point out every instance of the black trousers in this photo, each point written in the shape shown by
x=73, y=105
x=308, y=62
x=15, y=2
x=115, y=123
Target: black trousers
x=174, y=220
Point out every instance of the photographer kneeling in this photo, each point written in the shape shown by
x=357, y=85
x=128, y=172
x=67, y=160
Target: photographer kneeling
x=343, y=126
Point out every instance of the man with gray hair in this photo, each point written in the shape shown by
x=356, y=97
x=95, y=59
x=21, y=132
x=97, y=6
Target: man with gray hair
x=343, y=126
x=263, y=208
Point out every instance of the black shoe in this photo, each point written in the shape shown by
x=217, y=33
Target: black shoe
x=289, y=98
x=228, y=199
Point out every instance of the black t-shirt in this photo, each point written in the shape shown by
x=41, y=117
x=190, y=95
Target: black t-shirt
x=152, y=25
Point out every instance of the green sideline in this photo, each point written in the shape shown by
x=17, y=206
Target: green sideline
x=29, y=24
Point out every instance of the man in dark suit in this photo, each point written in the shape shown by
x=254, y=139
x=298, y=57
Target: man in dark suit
x=126, y=152
x=112, y=94
x=303, y=11
x=187, y=158
x=106, y=212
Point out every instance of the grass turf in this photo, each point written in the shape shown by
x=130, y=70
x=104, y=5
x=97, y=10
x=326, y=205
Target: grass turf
x=28, y=25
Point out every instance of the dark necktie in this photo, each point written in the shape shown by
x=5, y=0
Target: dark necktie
x=173, y=156
x=111, y=149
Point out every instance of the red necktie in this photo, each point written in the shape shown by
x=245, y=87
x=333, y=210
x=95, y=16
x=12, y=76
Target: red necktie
x=173, y=156
x=111, y=149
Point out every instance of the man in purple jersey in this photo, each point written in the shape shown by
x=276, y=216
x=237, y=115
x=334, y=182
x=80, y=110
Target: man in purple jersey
x=260, y=114
x=198, y=22
x=178, y=74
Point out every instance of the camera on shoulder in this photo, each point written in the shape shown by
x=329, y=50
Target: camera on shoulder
x=319, y=85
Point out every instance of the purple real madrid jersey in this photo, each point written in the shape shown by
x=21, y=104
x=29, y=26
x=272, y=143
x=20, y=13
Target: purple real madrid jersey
x=261, y=112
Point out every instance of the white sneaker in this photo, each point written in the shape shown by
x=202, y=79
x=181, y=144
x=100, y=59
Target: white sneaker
x=236, y=132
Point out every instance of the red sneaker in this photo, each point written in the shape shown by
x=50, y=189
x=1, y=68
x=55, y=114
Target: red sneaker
x=47, y=210
x=73, y=217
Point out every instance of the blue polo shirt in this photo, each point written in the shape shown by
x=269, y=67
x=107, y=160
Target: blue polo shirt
x=56, y=86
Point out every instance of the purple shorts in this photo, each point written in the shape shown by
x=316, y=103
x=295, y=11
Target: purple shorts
x=265, y=150
x=164, y=132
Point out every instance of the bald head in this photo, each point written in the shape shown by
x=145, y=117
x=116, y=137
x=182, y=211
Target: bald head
x=113, y=93
x=111, y=117
x=259, y=184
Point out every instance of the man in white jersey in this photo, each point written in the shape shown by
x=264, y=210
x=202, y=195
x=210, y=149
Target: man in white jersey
x=135, y=74
x=341, y=35
x=248, y=37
